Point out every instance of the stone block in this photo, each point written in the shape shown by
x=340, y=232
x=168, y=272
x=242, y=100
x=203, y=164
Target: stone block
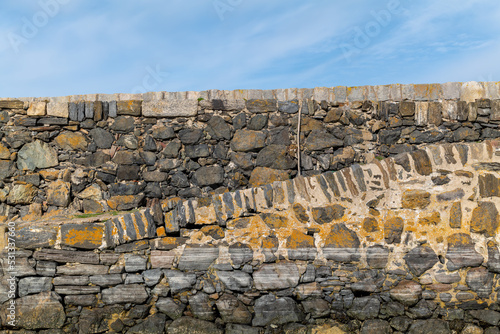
x=276, y=276
x=122, y=294
x=170, y=108
x=129, y=107
x=85, y=236
x=37, y=109
x=472, y=91
x=64, y=256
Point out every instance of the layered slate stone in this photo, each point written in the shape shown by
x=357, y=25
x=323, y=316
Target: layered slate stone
x=194, y=326
x=32, y=237
x=420, y=259
x=132, y=226
x=264, y=175
x=461, y=252
x=341, y=244
x=407, y=292
x=235, y=280
x=377, y=256
x=198, y=257
x=232, y=310
x=65, y=256
x=58, y=193
x=364, y=308
x=179, y=281
x=276, y=276
x=480, y=280
x=240, y=253
x=484, y=219
x=71, y=141
x=456, y=215
x=247, y=140
x=415, y=199
x=126, y=293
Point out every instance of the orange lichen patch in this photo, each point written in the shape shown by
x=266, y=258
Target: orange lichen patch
x=205, y=215
x=262, y=175
x=167, y=243
x=421, y=90
x=274, y=221
x=456, y=215
x=325, y=215
x=484, y=219
x=415, y=199
x=459, y=240
x=115, y=201
x=393, y=227
x=298, y=240
x=464, y=173
x=370, y=224
x=160, y=231
x=270, y=243
x=71, y=141
x=170, y=203
x=433, y=219
x=50, y=174
x=216, y=232
x=374, y=212
x=342, y=237
x=82, y=236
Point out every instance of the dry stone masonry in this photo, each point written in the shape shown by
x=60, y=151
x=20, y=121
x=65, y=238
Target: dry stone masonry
x=184, y=213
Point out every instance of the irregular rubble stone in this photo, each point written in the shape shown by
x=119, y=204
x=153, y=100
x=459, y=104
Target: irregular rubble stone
x=276, y=276
x=188, y=325
x=407, y=292
x=36, y=154
x=420, y=259
x=271, y=310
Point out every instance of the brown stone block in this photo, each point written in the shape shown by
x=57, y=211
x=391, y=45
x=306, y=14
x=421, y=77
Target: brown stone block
x=393, y=227
x=415, y=199
x=130, y=107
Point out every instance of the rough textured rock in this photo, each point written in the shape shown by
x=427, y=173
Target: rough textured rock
x=232, y=310
x=58, y=193
x=198, y=257
x=208, y=176
x=276, y=276
x=71, y=141
x=364, y=308
x=420, y=259
x=320, y=139
x=131, y=293
x=39, y=311
x=415, y=199
x=393, y=228
x=263, y=175
x=480, y=280
x=324, y=215
x=188, y=325
x=21, y=194
x=407, y=292
x=341, y=244
x=276, y=157
x=484, y=219
x=36, y=154
x=154, y=324
x=271, y=310
x=235, y=280
x=461, y=252
x=247, y=140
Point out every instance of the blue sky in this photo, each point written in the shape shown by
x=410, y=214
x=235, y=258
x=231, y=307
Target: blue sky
x=64, y=47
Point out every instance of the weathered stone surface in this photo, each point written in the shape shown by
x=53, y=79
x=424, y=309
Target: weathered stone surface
x=327, y=214
x=456, y=215
x=218, y=128
x=257, y=122
x=154, y=324
x=420, y=259
x=170, y=108
x=201, y=306
x=39, y=311
x=235, y=280
x=393, y=228
x=11, y=104
x=240, y=253
x=300, y=246
x=198, y=257
x=123, y=124
x=422, y=162
x=82, y=269
x=100, y=320
x=80, y=300
x=341, y=244
x=71, y=141
x=190, y=136
x=271, y=310
x=64, y=256
x=461, y=252
x=275, y=156
x=263, y=175
x=407, y=292
x=289, y=107
x=58, y=193
x=130, y=107
x=171, y=307
x=209, y=175
x=179, y=281
x=484, y=219
x=376, y=326
x=247, y=140
x=364, y=308
x=106, y=280
x=31, y=285
x=415, y=199
x=321, y=139
x=317, y=307
x=135, y=263
x=435, y=326
x=120, y=294
x=85, y=236
x=21, y=194
x=377, y=256
x=261, y=105
x=4, y=152
x=300, y=213
x=162, y=259
x=102, y=138
x=188, y=325
x=125, y=202
x=480, y=280
x=36, y=154
x=276, y=276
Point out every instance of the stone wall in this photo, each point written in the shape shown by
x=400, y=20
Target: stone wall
x=409, y=243
x=95, y=153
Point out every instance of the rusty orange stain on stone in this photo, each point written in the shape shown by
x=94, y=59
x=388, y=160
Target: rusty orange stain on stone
x=91, y=235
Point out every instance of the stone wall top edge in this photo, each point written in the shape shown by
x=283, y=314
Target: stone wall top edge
x=395, y=92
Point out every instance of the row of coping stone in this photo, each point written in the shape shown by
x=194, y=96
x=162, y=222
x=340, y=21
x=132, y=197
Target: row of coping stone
x=325, y=188
x=467, y=91
x=317, y=190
